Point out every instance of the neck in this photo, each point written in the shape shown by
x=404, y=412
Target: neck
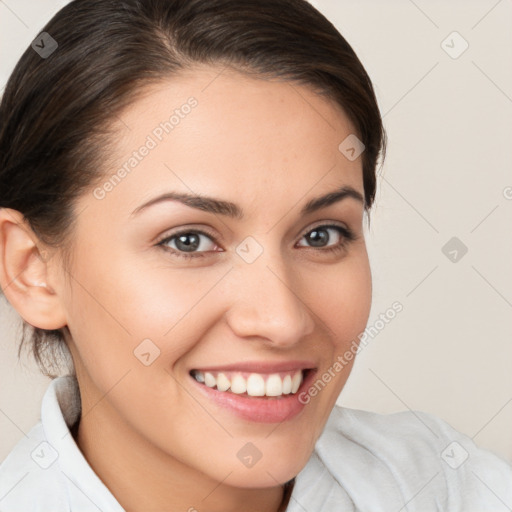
x=142, y=477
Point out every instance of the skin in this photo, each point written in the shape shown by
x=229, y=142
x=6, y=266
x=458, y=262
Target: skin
x=156, y=442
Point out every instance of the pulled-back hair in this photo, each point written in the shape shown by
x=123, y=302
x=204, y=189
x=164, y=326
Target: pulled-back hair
x=58, y=108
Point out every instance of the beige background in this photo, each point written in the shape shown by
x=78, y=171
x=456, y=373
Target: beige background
x=449, y=122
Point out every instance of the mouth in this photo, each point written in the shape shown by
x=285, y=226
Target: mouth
x=251, y=384
x=268, y=395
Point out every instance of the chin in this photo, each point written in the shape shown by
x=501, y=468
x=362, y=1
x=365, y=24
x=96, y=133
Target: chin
x=270, y=473
x=261, y=479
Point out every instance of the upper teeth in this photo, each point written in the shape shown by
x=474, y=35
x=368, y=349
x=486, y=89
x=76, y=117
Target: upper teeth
x=254, y=384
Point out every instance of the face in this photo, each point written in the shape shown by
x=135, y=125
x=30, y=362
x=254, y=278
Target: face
x=169, y=303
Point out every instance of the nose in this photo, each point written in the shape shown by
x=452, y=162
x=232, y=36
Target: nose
x=266, y=305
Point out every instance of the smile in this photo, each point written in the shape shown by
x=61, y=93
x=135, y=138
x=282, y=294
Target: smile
x=264, y=391
x=252, y=384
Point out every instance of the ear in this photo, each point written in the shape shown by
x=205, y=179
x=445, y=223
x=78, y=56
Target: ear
x=24, y=273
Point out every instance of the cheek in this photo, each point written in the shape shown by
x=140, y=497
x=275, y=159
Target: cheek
x=341, y=297
x=133, y=326
x=129, y=310
x=129, y=302
x=176, y=309
x=342, y=303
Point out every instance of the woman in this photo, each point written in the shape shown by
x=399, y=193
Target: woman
x=183, y=193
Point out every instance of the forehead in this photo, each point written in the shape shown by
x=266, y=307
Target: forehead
x=219, y=132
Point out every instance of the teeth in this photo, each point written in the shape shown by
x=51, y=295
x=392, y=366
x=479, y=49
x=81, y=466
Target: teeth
x=287, y=385
x=255, y=384
x=274, y=386
x=223, y=383
x=238, y=384
x=209, y=380
x=296, y=382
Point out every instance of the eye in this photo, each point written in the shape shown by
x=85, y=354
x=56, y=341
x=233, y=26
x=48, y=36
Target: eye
x=188, y=244
x=320, y=236
x=194, y=243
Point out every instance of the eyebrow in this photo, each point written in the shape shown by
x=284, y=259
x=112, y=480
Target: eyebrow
x=229, y=209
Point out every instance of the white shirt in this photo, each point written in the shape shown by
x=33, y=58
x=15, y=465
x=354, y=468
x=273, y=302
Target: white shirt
x=363, y=461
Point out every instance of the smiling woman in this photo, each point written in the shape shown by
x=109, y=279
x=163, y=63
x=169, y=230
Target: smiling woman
x=214, y=284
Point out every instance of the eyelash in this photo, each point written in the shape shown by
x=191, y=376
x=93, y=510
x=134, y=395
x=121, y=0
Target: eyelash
x=347, y=236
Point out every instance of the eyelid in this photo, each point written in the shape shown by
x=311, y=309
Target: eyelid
x=326, y=223
x=187, y=229
x=346, y=232
x=218, y=237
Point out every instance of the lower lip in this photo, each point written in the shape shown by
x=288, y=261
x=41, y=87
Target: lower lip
x=259, y=409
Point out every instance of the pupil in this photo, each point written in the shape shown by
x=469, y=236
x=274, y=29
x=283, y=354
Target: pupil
x=188, y=246
x=318, y=235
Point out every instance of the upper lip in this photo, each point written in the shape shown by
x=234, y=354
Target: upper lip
x=260, y=367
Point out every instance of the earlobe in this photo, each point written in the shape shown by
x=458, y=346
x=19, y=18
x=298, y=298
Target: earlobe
x=24, y=273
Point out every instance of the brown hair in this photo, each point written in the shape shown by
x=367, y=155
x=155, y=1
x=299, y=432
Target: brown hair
x=56, y=110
